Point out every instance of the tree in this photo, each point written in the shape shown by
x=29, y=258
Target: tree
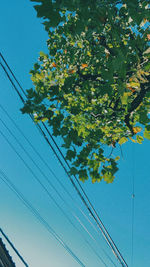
x=93, y=87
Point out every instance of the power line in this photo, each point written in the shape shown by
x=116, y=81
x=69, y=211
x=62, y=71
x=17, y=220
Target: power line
x=100, y=226
x=34, y=175
x=103, y=229
x=12, y=74
x=58, y=180
x=95, y=217
x=12, y=82
x=38, y=216
x=48, y=167
x=13, y=247
x=68, y=206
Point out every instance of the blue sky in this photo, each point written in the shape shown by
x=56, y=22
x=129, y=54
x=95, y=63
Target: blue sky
x=22, y=38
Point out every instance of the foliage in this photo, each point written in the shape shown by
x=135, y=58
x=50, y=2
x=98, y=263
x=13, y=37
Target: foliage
x=93, y=87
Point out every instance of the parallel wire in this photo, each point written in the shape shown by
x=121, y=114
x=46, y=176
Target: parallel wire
x=48, y=167
x=12, y=74
x=97, y=218
x=50, y=196
x=12, y=82
x=13, y=247
x=83, y=199
x=101, y=226
x=59, y=181
x=38, y=216
x=66, y=203
x=35, y=176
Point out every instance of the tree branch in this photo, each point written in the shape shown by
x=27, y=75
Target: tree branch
x=135, y=104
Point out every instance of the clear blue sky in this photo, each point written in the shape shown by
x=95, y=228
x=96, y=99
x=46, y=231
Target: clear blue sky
x=22, y=38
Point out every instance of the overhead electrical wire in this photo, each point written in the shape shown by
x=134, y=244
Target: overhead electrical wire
x=98, y=222
x=83, y=200
x=50, y=196
x=34, y=175
x=54, y=188
x=12, y=82
x=12, y=74
x=91, y=209
x=36, y=213
x=59, y=181
x=96, y=216
x=13, y=247
x=48, y=167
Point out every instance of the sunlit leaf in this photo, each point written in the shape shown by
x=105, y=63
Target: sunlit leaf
x=137, y=129
x=122, y=140
x=147, y=134
x=124, y=98
x=139, y=139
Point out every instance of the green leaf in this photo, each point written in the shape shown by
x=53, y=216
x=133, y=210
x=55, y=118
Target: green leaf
x=124, y=98
x=108, y=177
x=147, y=128
x=147, y=134
x=42, y=54
x=139, y=139
x=91, y=83
x=44, y=119
x=64, y=131
x=95, y=176
x=73, y=171
x=143, y=118
x=70, y=154
x=67, y=142
x=122, y=140
x=147, y=67
x=83, y=175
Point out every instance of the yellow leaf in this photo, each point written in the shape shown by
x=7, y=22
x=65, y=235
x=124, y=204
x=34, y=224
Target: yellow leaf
x=125, y=42
x=137, y=130
x=93, y=180
x=77, y=90
x=72, y=43
x=134, y=141
x=122, y=140
x=110, y=45
x=88, y=53
x=79, y=45
x=134, y=84
x=124, y=98
x=139, y=139
x=146, y=73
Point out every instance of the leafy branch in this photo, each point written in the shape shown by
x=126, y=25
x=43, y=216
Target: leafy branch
x=135, y=104
x=90, y=85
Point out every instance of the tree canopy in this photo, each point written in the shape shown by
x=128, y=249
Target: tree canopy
x=93, y=86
